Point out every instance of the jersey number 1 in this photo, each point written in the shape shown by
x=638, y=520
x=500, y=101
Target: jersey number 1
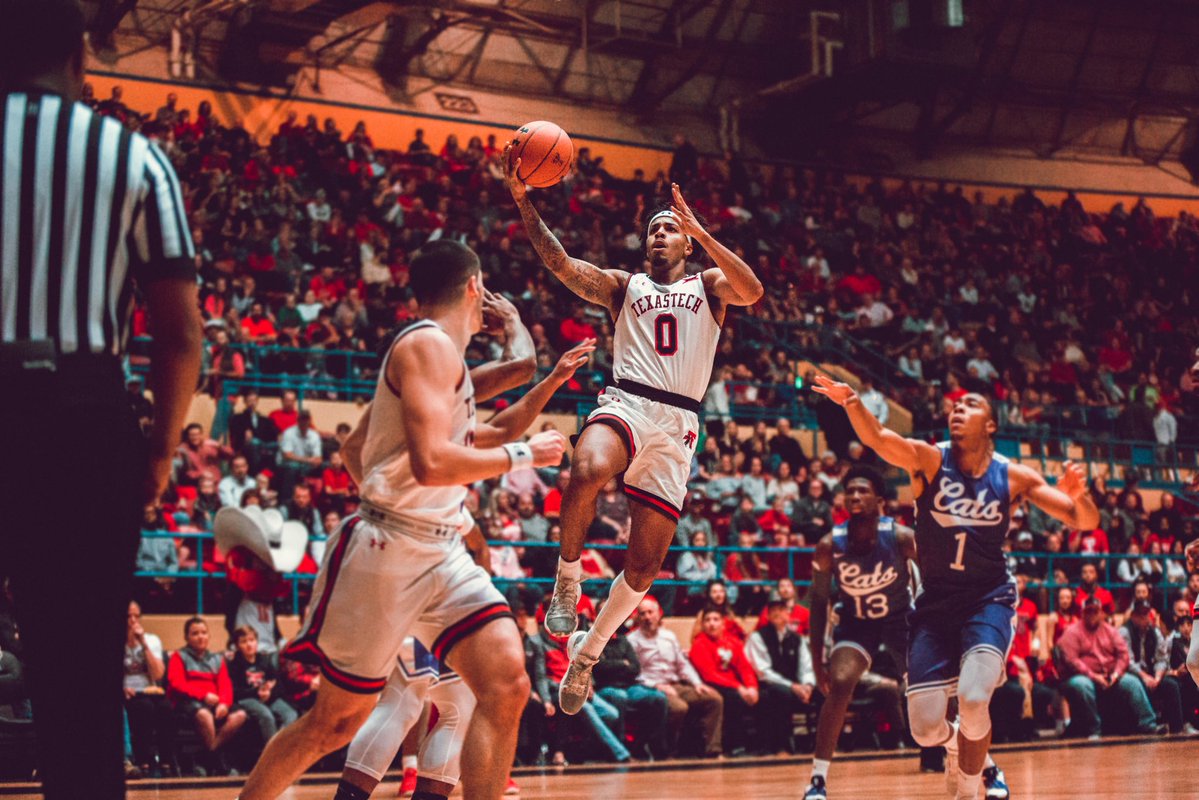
x=959, y=563
x=666, y=334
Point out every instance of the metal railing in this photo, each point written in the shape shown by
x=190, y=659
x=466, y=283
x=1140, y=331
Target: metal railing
x=1106, y=561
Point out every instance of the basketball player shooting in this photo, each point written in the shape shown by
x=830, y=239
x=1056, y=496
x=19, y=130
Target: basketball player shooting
x=962, y=627
x=398, y=566
x=646, y=427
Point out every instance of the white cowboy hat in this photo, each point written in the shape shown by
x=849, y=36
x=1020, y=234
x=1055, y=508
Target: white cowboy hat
x=278, y=542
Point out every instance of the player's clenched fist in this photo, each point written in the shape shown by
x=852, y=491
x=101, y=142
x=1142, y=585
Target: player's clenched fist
x=547, y=447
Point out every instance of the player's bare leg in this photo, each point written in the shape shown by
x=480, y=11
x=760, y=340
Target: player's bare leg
x=599, y=456
x=651, y=536
x=492, y=663
x=332, y=723
x=846, y=667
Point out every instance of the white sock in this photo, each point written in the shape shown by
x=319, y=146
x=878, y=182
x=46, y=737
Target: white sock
x=570, y=570
x=968, y=785
x=990, y=762
x=622, y=601
x=820, y=768
x=409, y=762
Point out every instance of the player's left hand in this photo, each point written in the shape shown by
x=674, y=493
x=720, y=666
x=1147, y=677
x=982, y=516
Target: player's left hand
x=1073, y=482
x=572, y=359
x=515, y=185
x=498, y=312
x=688, y=224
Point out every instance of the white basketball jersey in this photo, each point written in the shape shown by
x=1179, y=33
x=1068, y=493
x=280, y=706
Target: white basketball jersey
x=666, y=336
x=388, y=482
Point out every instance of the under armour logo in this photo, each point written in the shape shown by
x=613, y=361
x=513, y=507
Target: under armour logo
x=376, y=543
x=689, y=438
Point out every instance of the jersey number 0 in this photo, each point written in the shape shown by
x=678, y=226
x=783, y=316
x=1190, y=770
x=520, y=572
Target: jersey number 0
x=666, y=334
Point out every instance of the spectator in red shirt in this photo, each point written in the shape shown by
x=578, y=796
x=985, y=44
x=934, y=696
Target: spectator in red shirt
x=797, y=616
x=199, y=457
x=860, y=282
x=775, y=516
x=576, y=328
x=1089, y=542
x=199, y=686
x=1090, y=588
x=286, y=416
x=721, y=663
x=258, y=327
x=551, y=507
x=337, y=484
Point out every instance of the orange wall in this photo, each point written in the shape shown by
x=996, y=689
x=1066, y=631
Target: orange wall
x=390, y=129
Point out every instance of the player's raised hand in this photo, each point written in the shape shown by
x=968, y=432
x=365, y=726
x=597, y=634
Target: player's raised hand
x=688, y=224
x=498, y=312
x=547, y=447
x=511, y=170
x=839, y=393
x=1073, y=482
x=572, y=359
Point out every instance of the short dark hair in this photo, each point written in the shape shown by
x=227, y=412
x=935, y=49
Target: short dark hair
x=711, y=609
x=38, y=36
x=189, y=622
x=440, y=270
x=241, y=632
x=867, y=474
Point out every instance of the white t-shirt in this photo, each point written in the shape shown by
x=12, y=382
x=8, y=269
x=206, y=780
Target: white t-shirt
x=137, y=671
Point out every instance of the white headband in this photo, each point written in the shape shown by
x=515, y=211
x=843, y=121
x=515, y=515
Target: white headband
x=665, y=213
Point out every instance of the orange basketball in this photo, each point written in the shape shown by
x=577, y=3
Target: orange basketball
x=545, y=153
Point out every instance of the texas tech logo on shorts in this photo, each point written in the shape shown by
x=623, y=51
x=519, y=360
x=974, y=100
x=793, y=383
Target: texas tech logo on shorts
x=689, y=438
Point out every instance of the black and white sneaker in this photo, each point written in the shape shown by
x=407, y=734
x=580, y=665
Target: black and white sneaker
x=995, y=785
x=817, y=790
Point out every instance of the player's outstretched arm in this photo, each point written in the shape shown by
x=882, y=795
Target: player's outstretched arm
x=822, y=590
x=513, y=421
x=918, y=458
x=517, y=365
x=603, y=287
x=418, y=367
x=1069, y=501
x=732, y=281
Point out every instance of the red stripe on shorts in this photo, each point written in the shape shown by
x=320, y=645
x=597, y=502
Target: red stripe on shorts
x=653, y=501
x=466, y=626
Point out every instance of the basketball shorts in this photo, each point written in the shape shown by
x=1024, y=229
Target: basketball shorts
x=379, y=584
x=661, y=441
x=942, y=637
x=884, y=642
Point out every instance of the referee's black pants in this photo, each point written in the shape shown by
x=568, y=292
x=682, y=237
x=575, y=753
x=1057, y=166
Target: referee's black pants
x=69, y=513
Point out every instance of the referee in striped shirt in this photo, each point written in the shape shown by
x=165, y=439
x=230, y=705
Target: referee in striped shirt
x=90, y=215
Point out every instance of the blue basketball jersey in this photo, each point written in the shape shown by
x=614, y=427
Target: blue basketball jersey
x=873, y=585
x=961, y=522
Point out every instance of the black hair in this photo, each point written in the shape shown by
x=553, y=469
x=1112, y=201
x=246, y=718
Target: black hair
x=868, y=474
x=439, y=271
x=38, y=36
x=658, y=209
x=711, y=608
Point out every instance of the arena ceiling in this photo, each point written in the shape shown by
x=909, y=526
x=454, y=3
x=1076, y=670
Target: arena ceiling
x=638, y=55
x=1105, y=77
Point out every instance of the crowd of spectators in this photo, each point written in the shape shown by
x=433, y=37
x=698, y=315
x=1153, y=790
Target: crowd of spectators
x=303, y=240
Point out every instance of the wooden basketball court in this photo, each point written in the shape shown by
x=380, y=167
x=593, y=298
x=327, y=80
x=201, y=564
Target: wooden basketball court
x=1077, y=771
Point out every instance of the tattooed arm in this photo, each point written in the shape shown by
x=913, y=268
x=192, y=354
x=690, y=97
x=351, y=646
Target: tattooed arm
x=603, y=287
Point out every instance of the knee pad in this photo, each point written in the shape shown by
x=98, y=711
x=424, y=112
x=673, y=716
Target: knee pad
x=982, y=671
x=926, y=716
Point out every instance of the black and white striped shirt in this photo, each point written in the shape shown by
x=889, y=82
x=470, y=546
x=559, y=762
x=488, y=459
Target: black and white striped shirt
x=87, y=207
